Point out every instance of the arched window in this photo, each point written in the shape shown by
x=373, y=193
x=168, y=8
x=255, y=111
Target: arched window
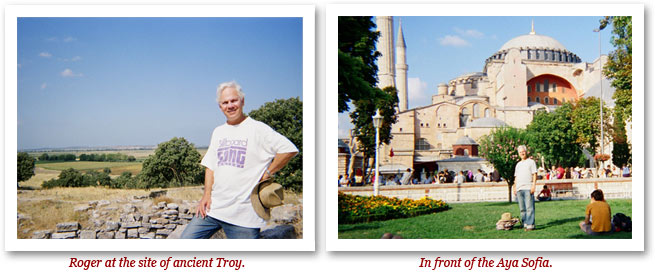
x=546, y=101
x=536, y=99
x=529, y=99
x=554, y=101
x=476, y=113
x=487, y=113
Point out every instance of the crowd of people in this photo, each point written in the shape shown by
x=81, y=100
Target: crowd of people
x=411, y=177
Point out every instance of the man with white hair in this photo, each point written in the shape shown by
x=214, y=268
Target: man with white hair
x=242, y=153
x=525, y=182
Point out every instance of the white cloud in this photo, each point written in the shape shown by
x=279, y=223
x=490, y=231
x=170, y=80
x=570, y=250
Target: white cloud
x=69, y=73
x=69, y=39
x=45, y=55
x=417, y=89
x=453, y=41
x=469, y=33
x=43, y=86
x=76, y=58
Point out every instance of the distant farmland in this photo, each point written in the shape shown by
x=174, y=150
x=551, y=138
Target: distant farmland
x=51, y=169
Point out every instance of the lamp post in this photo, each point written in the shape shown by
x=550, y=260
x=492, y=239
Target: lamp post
x=600, y=81
x=377, y=122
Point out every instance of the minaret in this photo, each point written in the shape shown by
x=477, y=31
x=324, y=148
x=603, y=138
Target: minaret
x=386, y=61
x=401, y=69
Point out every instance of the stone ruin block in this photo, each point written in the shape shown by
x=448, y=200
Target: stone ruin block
x=172, y=206
x=112, y=226
x=103, y=203
x=165, y=232
x=120, y=235
x=105, y=235
x=132, y=233
x=64, y=235
x=88, y=234
x=68, y=227
x=149, y=235
x=170, y=226
x=42, y=234
x=157, y=226
x=131, y=225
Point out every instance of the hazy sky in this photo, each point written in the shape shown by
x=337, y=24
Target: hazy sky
x=142, y=81
x=440, y=49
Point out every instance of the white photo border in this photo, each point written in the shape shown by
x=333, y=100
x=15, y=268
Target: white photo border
x=331, y=159
x=306, y=12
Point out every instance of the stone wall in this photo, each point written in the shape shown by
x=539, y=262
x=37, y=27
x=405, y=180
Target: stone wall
x=141, y=218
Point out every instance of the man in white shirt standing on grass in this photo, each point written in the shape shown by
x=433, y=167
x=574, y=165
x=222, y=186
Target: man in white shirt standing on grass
x=242, y=153
x=525, y=182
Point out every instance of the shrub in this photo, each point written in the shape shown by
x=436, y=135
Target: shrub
x=356, y=209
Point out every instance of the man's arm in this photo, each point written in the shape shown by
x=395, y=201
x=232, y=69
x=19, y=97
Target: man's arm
x=279, y=161
x=206, y=200
x=534, y=183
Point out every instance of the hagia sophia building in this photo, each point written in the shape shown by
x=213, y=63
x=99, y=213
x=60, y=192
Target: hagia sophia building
x=528, y=73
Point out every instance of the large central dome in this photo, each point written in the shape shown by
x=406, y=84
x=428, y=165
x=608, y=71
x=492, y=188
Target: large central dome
x=534, y=47
x=533, y=40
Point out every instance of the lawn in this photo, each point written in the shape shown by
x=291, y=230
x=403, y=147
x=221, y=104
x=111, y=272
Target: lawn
x=554, y=220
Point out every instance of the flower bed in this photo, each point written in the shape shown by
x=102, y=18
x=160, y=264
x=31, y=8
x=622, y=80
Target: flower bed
x=357, y=209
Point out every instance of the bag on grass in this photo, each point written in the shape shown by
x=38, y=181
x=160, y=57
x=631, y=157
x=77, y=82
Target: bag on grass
x=622, y=222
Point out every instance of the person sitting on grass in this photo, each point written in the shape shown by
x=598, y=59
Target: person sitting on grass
x=597, y=216
x=544, y=195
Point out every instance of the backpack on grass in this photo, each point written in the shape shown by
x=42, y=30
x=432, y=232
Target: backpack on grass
x=622, y=222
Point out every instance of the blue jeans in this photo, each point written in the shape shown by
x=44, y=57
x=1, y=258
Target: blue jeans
x=204, y=228
x=526, y=206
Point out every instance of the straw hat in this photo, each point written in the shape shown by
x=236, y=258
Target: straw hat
x=506, y=217
x=265, y=196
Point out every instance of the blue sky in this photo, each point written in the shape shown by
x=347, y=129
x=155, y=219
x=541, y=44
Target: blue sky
x=142, y=81
x=441, y=48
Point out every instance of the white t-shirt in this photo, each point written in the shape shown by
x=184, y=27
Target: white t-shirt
x=239, y=156
x=523, y=174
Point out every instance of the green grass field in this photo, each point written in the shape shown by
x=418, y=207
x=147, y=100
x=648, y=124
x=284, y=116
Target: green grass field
x=84, y=166
x=554, y=220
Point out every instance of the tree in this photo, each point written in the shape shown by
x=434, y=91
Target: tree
x=285, y=117
x=619, y=64
x=25, y=166
x=357, y=83
x=44, y=157
x=586, y=123
x=551, y=136
x=362, y=119
x=175, y=163
x=357, y=56
x=500, y=149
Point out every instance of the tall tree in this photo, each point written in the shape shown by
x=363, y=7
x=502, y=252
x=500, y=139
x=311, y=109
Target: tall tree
x=357, y=83
x=285, y=117
x=619, y=65
x=25, y=166
x=553, y=138
x=357, y=56
x=500, y=149
x=619, y=69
